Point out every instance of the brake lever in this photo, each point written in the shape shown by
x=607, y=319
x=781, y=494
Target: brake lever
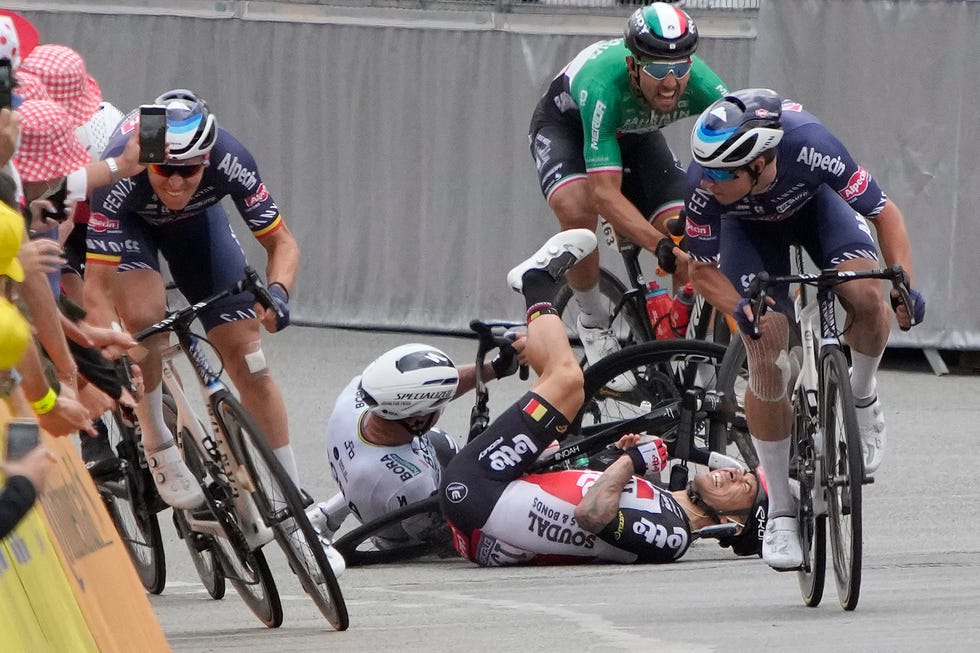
x=900, y=282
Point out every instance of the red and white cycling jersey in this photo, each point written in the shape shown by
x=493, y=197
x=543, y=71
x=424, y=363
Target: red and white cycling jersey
x=534, y=520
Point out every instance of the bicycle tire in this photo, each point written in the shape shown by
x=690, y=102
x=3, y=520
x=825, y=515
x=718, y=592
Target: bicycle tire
x=813, y=527
x=627, y=327
x=283, y=510
x=359, y=549
x=844, y=474
x=131, y=502
x=200, y=546
x=733, y=381
x=662, y=370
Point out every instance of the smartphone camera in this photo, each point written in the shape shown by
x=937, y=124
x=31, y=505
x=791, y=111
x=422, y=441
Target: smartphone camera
x=23, y=435
x=58, y=202
x=6, y=83
x=152, y=134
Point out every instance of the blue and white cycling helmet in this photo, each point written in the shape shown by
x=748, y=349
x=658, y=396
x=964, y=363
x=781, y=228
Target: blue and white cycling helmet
x=660, y=31
x=191, y=128
x=737, y=128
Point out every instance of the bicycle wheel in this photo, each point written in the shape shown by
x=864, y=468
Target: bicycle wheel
x=249, y=574
x=813, y=526
x=283, y=510
x=201, y=546
x=627, y=327
x=372, y=544
x=662, y=370
x=844, y=474
x=132, y=504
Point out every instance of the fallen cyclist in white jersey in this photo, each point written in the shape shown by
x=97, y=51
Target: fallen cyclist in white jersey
x=382, y=445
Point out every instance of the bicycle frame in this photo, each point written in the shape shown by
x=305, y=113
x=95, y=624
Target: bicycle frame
x=211, y=443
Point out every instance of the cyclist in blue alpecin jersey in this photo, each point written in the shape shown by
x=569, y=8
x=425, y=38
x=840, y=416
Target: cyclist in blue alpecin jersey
x=767, y=174
x=596, y=142
x=174, y=210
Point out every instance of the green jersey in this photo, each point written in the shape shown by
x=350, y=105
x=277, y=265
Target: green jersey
x=599, y=85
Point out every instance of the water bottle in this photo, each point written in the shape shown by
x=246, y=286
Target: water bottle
x=680, y=312
x=658, y=308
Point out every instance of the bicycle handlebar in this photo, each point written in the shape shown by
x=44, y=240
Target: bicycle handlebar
x=825, y=279
x=183, y=317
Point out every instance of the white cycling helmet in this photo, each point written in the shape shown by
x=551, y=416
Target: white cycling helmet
x=409, y=381
x=737, y=128
x=191, y=128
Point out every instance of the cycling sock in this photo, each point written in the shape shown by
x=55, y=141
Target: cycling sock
x=149, y=412
x=774, y=460
x=284, y=455
x=539, y=309
x=539, y=287
x=864, y=369
x=593, y=307
x=335, y=510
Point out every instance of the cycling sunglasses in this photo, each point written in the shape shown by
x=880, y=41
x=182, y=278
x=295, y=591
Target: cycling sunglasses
x=660, y=69
x=719, y=174
x=166, y=170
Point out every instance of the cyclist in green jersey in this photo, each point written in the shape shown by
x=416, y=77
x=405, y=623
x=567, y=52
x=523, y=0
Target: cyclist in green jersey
x=595, y=138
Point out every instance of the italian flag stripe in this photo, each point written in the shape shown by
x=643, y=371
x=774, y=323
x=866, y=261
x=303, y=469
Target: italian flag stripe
x=669, y=20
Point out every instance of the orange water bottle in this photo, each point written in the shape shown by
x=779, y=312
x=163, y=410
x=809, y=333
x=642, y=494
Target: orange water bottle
x=680, y=312
x=658, y=308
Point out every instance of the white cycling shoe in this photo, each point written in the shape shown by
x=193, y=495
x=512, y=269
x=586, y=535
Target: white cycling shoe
x=175, y=483
x=337, y=562
x=556, y=256
x=871, y=423
x=781, y=546
x=321, y=524
x=599, y=343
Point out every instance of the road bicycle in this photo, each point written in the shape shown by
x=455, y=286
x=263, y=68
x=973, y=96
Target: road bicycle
x=826, y=457
x=249, y=498
x=626, y=302
x=681, y=416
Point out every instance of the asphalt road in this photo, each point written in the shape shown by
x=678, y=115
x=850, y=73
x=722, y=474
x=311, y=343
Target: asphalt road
x=921, y=583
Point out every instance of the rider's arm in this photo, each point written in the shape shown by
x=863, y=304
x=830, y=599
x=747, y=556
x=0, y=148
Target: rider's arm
x=467, y=377
x=611, y=204
x=714, y=286
x=283, y=254
x=893, y=238
x=601, y=501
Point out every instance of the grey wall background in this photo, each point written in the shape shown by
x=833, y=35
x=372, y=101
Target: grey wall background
x=395, y=141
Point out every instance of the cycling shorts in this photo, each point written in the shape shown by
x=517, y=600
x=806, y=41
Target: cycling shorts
x=827, y=227
x=203, y=255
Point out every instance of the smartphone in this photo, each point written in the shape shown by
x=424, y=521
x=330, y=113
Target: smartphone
x=6, y=83
x=23, y=435
x=153, y=132
x=58, y=202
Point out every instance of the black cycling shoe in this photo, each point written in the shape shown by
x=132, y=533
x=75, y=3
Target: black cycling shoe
x=100, y=460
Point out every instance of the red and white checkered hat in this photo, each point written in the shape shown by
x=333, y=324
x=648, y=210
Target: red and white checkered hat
x=9, y=41
x=49, y=147
x=30, y=87
x=68, y=83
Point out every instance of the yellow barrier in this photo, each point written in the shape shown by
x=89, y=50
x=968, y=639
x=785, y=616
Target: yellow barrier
x=70, y=585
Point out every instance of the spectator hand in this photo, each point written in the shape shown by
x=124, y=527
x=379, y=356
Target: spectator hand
x=918, y=309
x=41, y=256
x=34, y=466
x=66, y=417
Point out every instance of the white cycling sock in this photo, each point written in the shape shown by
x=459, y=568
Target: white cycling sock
x=593, y=307
x=774, y=460
x=864, y=370
x=284, y=455
x=335, y=509
x=149, y=412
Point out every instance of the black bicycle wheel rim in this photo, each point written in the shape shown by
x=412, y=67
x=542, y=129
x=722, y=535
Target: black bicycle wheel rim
x=813, y=527
x=661, y=370
x=256, y=587
x=357, y=548
x=200, y=546
x=282, y=508
x=135, y=520
x=843, y=468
